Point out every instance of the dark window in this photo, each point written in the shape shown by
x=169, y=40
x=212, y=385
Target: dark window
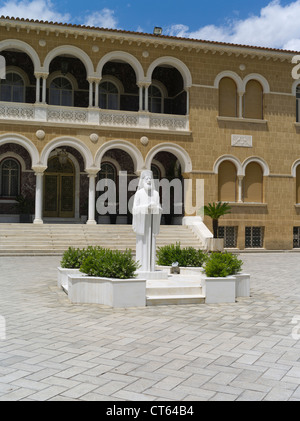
x=12, y=88
x=155, y=100
x=108, y=96
x=10, y=178
x=254, y=237
x=230, y=236
x=296, y=237
x=61, y=92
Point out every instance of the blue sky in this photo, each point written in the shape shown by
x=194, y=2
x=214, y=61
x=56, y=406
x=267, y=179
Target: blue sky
x=270, y=23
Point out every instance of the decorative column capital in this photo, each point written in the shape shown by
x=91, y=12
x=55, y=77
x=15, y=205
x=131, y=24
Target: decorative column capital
x=92, y=79
x=43, y=75
x=39, y=169
x=92, y=172
x=143, y=84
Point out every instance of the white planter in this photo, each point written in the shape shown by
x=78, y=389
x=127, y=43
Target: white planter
x=62, y=276
x=219, y=290
x=107, y=291
x=242, y=285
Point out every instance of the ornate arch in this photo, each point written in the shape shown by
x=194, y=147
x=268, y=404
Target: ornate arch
x=68, y=141
x=260, y=161
x=230, y=158
x=180, y=153
x=73, y=51
x=294, y=86
x=132, y=150
x=294, y=167
x=175, y=62
x=22, y=141
x=231, y=75
x=15, y=156
x=24, y=47
x=123, y=56
x=259, y=78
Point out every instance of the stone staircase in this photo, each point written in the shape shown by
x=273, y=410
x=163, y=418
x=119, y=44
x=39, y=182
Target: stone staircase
x=54, y=239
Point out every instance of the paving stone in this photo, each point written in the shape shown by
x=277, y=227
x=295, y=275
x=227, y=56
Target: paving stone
x=55, y=350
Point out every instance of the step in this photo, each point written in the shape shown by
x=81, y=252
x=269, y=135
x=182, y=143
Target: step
x=177, y=289
x=174, y=299
x=16, y=238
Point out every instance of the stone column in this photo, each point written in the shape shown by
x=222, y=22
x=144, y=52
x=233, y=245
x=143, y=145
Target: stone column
x=187, y=101
x=39, y=172
x=146, y=105
x=92, y=173
x=240, y=188
x=37, y=89
x=141, y=96
x=44, y=76
x=97, y=83
x=91, y=82
x=240, y=104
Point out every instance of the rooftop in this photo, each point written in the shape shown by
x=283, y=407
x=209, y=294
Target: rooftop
x=89, y=30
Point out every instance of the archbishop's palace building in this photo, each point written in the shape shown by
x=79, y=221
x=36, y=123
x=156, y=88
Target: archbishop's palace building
x=79, y=104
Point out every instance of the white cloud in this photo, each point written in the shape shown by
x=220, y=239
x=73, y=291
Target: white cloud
x=35, y=9
x=103, y=19
x=276, y=26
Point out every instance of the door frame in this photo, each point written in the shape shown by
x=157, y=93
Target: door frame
x=59, y=185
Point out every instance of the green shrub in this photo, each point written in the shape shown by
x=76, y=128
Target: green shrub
x=186, y=257
x=222, y=265
x=72, y=258
x=109, y=264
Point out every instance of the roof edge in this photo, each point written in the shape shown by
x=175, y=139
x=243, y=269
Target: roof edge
x=197, y=43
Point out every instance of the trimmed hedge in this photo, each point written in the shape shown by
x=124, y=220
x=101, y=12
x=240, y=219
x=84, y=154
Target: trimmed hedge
x=222, y=265
x=101, y=262
x=186, y=257
x=73, y=258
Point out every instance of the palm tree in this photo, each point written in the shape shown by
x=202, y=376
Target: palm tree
x=215, y=210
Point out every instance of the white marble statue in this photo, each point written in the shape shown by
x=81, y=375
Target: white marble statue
x=146, y=213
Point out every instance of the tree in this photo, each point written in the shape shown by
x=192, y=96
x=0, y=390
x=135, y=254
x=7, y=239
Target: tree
x=215, y=211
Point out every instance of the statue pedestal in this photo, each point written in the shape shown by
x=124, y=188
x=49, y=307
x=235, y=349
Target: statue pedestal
x=157, y=274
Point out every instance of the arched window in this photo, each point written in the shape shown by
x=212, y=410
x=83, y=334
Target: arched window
x=227, y=97
x=12, y=89
x=155, y=99
x=227, y=184
x=156, y=171
x=61, y=92
x=10, y=178
x=298, y=184
x=253, y=100
x=253, y=183
x=298, y=103
x=109, y=96
x=108, y=171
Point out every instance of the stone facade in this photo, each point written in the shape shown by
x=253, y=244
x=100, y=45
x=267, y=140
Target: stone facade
x=192, y=77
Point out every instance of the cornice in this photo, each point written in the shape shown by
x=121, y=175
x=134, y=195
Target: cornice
x=120, y=36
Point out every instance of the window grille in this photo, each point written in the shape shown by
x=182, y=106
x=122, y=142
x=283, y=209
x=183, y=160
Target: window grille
x=296, y=237
x=230, y=236
x=254, y=237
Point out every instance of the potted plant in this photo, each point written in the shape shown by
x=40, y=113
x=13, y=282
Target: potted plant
x=220, y=282
x=25, y=207
x=215, y=211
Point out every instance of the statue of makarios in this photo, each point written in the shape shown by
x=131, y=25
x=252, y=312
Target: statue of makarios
x=146, y=213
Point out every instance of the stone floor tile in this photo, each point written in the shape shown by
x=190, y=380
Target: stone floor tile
x=55, y=350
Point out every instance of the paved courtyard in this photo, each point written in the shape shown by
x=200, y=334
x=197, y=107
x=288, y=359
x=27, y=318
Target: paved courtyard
x=55, y=350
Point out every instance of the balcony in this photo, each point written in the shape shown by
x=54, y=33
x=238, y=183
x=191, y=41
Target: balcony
x=93, y=117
